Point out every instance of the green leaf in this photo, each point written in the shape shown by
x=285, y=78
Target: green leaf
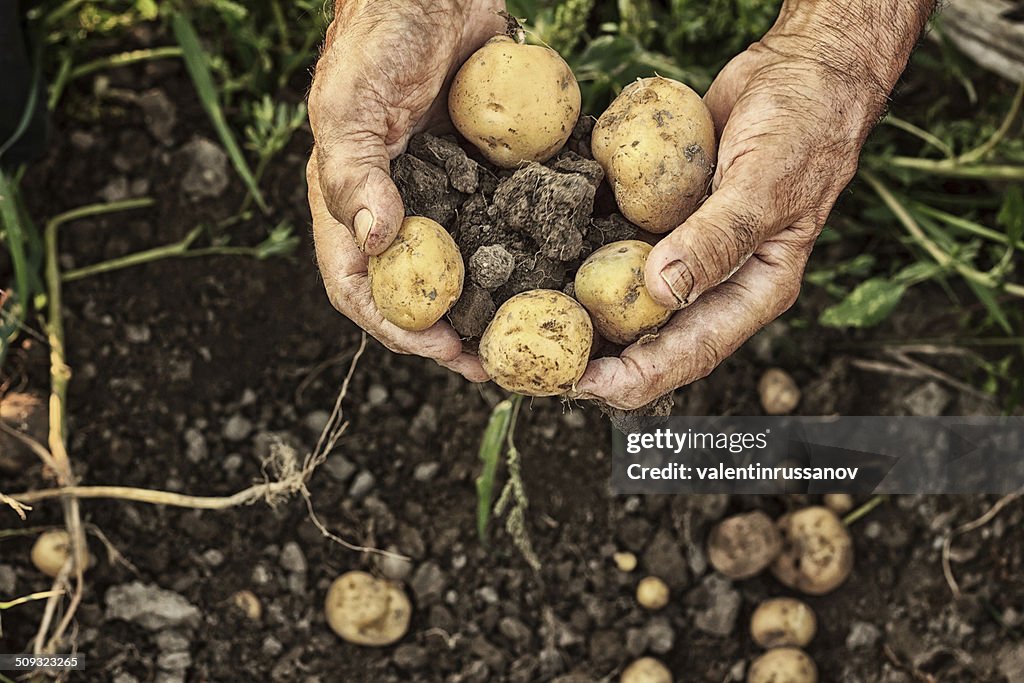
x=198, y=65
x=988, y=298
x=1011, y=215
x=867, y=305
x=490, y=453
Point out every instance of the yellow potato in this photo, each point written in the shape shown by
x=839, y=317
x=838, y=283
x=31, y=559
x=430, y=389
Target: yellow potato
x=515, y=102
x=783, y=622
x=52, y=550
x=538, y=343
x=743, y=545
x=610, y=285
x=783, y=665
x=366, y=610
x=656, y=143
x=646, y=670
x=652, y=593
x=418, y=278
x=817, y=552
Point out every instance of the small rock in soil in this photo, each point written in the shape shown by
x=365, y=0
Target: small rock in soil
x=271, y=646
x=293, y=559
x=718, y=605
x=376, y=395
x=206, y=170
x=195, y=445
x=428, y=583
x=174, y=661
x=660, y=636
x=927, y=400
x=664, y=560
x=410, y=657
x=606, y=647
x=862, y=635
x=426, y=471
x=636, y=642
x=491, y=266
x=237, y=427
x=160, y=115
x=463, y=173
x=213, y=558
x=8, y=580
x=125, y=678
x=425, y=189
x=172, y=641
x=362, y=485
x=472, y=312
x=339, y=467
x=424, y=422
x=515, y=630
x=151, y=607
x=394, y=567
x=316, y=421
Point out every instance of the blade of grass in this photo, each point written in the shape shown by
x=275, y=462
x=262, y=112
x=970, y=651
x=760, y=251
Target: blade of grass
x=10, y=219
x=491, y=446
x=197, y=64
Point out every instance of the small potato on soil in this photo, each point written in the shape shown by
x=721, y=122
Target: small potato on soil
x=538, y=343
x=646, y=670
x=652, y=593
x=783, y=665
x=417, y=279
x=839, y=503
x=515, y=102
x=744, y=545
x=365, y=610
x=783, y=622
x=656, y=143
x=817, y=553
x=610, y=285
x=51, y=551
x=779, y=393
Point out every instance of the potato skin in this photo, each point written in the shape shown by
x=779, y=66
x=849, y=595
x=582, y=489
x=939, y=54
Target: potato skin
x=783, y=665
x=817, y=554
x=365, y=610
x=646, y=670
x=515, y=102
x=538, y=343
x=417, y=279
x=783, y=622
x=610, y=285
x=742, y=546
x=656, y=143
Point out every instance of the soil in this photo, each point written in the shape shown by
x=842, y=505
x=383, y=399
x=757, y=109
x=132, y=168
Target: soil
x=186, y=371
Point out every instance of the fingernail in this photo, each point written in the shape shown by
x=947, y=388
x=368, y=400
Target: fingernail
x=363, y=226
x=679, y=280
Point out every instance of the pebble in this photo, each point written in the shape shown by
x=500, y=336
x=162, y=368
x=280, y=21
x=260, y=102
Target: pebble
x=339, y=467
x=260, y=575
x=237, y=427
x=196, y=449
x=292, y=558
x=428, y=583
x=574, y=419
x=660, y=636
x=488, y=595
x=721, y=606
x=426, y=471
x=394, y=567
x=376, y=395
x=424, y=422
x=271, y=646
x=213, y=558
x=137, y=333
x=862, y=635
x=174, y=661
x=927, y=400
x=115, y=190
x=664, y=560
x=171, y=641
x=150, y=606
x=636, y=642
x=410, y=657
x=206, y=169
x=8, y=580
x=316, y=421
x=159, y=114
x=362, y=485
x=232, y=462
x=515, y=630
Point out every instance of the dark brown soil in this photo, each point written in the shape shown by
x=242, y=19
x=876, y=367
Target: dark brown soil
x=185, y=370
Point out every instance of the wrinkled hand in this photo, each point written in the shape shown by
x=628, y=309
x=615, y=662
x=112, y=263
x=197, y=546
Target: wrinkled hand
x=383, y=76
x=791, y=129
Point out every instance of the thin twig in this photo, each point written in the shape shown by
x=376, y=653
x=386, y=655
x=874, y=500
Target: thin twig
x=947, y=546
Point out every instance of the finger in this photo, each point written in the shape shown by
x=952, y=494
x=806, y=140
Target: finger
x=354, y=160
x=468, y=365
x=343, y=268
x=698, y=338
x=713, y=243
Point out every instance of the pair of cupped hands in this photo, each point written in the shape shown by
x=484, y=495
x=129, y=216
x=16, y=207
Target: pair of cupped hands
x=790, y=131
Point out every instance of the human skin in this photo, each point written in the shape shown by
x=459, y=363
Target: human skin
x=791, y=113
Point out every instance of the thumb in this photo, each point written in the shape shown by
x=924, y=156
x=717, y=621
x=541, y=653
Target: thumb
x=710, y=246
x=356, y=184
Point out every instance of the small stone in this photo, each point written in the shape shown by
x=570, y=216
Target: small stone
x=426, y=471
x=339, y=467
x=376, y=395
x=171, y=641
x=606, y=647
x=316, y=421
x=293, y=559
x=410, y=657
x=664, y=560
x=260, y=575
x=394, y=566
x=718, y=606
x=213, y=558
x=862, y=635
x=271, y=646
x=636, y=642
x=491, y=266
x=237, y=427
x=160, y=115
x=232, y=462
x=151, y=607
x=206, y=173
x=927, y=400
x=660, y=636
x=515, y=630
x=778, y=392
x=249, y=604
x=8, y=580
x=195, y=445
x=137, y=334
x=574, y=419
x=428, y=583
x=424, y=422
x=174, y=661
x=362, y=485
x=472, y=312
x=488, y=595
x=115, y=190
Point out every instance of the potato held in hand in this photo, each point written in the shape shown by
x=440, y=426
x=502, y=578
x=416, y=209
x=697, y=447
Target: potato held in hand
x=515, y=102
x=610, y=285
x=656, y=143
x=538, y=343
x=418, y=278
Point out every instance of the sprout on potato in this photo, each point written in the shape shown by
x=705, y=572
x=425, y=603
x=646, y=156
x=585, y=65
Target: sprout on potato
x=652, y=593
x=656, y=143
x=744, y=545
x=783, y=665
x=52, y=550
x=646, y=670
x=417, y=279
x=366, y=610
x=610, y=285
x=783, y=622
x=779, y=393
x=538, y=343
x=515, y=102
x=817, y=554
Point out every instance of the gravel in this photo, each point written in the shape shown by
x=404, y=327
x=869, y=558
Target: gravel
x=149, y=606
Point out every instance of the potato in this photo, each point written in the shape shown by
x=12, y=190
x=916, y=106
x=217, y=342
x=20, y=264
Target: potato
x=366, y=610
x=652, y=593
x=52, y=550
x=744, y=545
x=817, y=553
x=783, y=665
x=538, y=343
x=656, y=143
x=646, y=670
x=783, y=622
x=515, y=102
x=779, y=393
x=417, y=279
x=839, y=503
x=610, y=285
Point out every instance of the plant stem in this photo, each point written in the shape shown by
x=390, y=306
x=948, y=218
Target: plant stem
x=951, y=168
x=145, y=256
x=864, y=510
x=908, y=127
x=124, y=59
